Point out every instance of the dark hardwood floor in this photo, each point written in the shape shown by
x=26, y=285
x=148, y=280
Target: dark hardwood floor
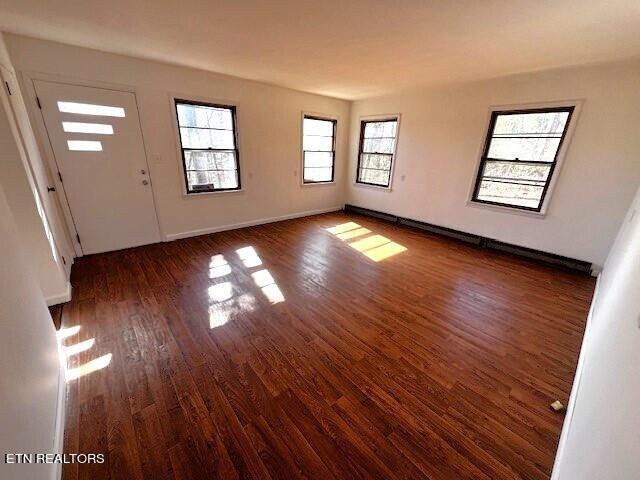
x=56, y=315
x=302, y=357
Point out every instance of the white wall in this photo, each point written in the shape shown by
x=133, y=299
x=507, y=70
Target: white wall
x=23, y=197
x=441, y=133
x=29, y=364
x=440, y=138
x=601, y=435
x=269, y=133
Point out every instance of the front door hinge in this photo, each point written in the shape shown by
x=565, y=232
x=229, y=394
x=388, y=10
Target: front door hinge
x=8, y=87
x=78, y=237
x=39, y=104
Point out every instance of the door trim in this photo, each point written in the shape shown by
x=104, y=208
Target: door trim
x=51, y=209
x=27, y=81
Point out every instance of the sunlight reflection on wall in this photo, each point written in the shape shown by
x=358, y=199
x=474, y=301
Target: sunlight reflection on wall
x=376, y=247
x=227, y=298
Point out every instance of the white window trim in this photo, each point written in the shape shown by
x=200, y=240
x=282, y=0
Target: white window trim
x=577, y=106
x=335, y=145
x=173, y=96
x=394, y=158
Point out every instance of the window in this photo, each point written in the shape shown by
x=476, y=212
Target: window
x=209, y=146
x=318, y=149
x=78, y=127
x=84, y=145
x=90, y=109
x=377, y=148
x=520, y=156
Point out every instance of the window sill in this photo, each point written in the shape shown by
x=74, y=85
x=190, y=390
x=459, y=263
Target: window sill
x=313, y=184
x=202, y=194
x=373, y=187
x=512, y=210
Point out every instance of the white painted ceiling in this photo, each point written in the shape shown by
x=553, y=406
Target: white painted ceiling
x=350, y=48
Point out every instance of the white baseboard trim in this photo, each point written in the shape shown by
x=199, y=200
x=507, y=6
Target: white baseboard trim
x=61, y=415
x=203, y=231
x=566, y=425
x=61, y=298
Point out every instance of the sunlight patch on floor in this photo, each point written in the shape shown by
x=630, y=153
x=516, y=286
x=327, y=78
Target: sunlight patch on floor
x=78, y=347
x=89, y=367
x=218, y=267
x=226, y=298
x=353, y=233
x=67, y=332
x=249, y=257
x=220, y=292
x=220, y=312
x=376, y=247
x=267, y=284
x=368, y=243
x=343, y=227
x=384, y=251
x=68, y=351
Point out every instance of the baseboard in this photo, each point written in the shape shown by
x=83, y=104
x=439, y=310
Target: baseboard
x=60, y=298
x=251, y=223
x=545, y=257
x=61, y=415
x=444, y=231
x=483, y=242
x=566, y=425
x=371, y=213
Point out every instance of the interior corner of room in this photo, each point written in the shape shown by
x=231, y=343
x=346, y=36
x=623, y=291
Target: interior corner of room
x=268, y=268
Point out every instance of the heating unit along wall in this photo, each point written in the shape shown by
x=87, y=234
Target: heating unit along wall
x=443, y=129
x=441, y=133
x=440, y=136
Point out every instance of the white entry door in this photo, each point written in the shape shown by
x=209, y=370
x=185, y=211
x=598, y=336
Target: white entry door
x=97, y=143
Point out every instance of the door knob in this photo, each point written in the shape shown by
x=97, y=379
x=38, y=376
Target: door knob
x=145, y=182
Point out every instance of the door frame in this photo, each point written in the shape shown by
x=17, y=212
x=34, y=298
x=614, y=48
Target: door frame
x=51, y=208
x=27, y=81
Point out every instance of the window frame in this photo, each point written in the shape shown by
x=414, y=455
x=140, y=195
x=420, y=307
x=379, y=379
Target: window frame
x=175, y=100
x=326, y=118
x=573, y=107
x=376, y=119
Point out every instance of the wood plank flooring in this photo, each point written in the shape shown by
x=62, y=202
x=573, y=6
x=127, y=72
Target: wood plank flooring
x=302, y=357
x=56, y=315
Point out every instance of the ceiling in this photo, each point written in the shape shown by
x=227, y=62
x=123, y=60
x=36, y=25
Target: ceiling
x=344, y=48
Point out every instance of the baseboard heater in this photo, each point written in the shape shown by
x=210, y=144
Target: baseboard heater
x=482, y=242
x=371, y=213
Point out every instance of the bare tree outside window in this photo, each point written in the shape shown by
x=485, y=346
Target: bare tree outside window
x=209, y=146
x=377, y=147
x=318, y=149
x=520, y=156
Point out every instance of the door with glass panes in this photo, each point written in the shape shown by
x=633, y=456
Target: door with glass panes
x=97, y=143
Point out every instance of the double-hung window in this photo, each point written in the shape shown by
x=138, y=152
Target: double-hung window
x=318, y=149
x=519, y=157
x=376, y=152
x=209, y=146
